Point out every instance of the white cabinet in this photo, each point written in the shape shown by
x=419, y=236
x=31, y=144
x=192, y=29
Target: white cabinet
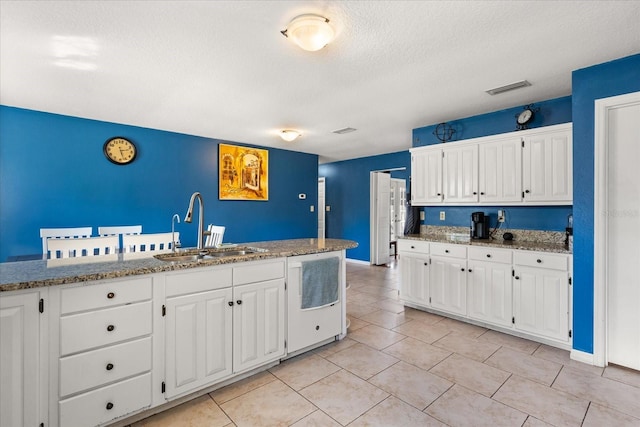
x=448, y=278
x=198, y=340
x=414, y=271
x=500, y=171
x=460, y=174
x=530, y=167
x=547, y=171
x=426, y=174
x=104, y=350
x=21, y=382
x=489, y=289
x=541, y=294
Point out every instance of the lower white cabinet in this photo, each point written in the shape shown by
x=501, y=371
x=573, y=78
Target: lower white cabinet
x=20, y=360
x=414, y=278
x=448, y=278
x=489, y=290
x=541, y=295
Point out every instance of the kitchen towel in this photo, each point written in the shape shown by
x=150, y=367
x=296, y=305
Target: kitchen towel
x=320, y=282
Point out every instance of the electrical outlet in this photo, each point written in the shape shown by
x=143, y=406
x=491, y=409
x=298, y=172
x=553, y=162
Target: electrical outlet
x=501, y=215
x=312, y=208
x=421, y=215
x=442, y=215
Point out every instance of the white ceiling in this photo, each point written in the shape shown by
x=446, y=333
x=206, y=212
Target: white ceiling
x=221, y=69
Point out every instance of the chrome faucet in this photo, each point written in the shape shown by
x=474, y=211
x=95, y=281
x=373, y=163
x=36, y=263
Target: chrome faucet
x=189, y=217
x=175, y=218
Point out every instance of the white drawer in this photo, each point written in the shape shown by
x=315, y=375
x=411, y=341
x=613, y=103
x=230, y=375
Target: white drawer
x=258, y=272
x=105, y=295
x=490, y=254
x=107, y=403
x=417, y=246
x=456, y=251
x=106, y=365
x=541, y=259
x=197, y=280
x=79, y=332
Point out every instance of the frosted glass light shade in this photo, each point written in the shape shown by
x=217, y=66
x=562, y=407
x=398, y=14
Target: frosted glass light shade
x=310, y=32
x=289, y=135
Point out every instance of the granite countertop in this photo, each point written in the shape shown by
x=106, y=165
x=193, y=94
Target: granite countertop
x=540, y=246
x=40, y=273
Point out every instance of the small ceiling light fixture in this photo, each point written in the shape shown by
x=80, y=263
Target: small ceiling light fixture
x=506, y=88
x=289, y=134
x=310, y=32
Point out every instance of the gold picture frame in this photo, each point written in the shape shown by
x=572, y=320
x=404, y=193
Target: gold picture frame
x=243, y=173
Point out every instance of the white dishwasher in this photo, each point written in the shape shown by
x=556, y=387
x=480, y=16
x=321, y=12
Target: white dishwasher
x=309, y=326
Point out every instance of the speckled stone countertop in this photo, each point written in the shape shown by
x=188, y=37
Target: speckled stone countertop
x=527, y=240
x=39, y=273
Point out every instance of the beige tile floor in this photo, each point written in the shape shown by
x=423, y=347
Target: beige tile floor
x=405, y=367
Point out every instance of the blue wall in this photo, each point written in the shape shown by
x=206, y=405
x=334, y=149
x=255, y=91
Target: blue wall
x=347, y=192
x=53, y=174
x=600, y=81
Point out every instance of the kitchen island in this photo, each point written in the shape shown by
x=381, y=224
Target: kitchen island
x=104, y=343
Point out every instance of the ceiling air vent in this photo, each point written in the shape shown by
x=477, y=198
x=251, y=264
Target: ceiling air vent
x=506, y=88
x=345, y=130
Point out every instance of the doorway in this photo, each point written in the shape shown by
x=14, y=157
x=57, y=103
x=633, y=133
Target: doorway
x=387, y=214
x=617, y=232
x=398, y=206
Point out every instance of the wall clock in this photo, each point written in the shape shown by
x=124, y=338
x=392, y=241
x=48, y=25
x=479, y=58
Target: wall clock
x=525, y=117
x=120, y=151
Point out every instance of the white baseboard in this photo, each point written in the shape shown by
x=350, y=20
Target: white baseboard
x=582, y=356
x=358, y=261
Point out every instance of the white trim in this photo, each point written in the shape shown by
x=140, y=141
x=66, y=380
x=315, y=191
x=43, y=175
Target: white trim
x=600, y=262
x=581, y=356
x=357, y=261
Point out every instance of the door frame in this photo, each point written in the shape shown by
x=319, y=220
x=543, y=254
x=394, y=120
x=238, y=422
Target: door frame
x=600, y=232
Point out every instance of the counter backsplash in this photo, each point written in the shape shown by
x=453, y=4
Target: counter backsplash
x=540, y=236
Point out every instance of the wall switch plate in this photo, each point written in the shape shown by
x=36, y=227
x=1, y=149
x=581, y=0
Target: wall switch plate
x=312, y=208
x=442, y=216
x=501, y=215
x=421, y=215
x=327, y=208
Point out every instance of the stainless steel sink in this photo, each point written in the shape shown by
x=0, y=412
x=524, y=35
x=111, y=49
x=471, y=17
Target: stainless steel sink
x=231, y=253
x=208, y=255
x=183, y=258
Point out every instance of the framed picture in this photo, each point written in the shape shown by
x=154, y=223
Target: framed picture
x=243, y=173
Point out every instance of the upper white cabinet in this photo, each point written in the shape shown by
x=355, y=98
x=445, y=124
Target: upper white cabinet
x=547, y=169
x=531, y=167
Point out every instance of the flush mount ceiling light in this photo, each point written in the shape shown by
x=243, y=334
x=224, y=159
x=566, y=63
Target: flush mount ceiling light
x=289, y=134
x=506, y=88
x=310, y=32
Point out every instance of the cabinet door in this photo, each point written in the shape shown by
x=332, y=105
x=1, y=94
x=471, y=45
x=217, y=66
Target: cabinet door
x=500, y=171
x=541, y=302
x=19, y=360
x=548, y=167
x=460, y=174
x=489, y=292
x=258, y=324
x=426, y=173
x=198, y=341
x=448, y=284
x=414, y=278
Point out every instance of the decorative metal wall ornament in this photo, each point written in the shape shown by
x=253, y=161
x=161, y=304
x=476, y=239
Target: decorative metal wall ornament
x=444, y=132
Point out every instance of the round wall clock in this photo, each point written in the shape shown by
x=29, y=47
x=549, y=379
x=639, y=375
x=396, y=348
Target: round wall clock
x=525, y=117
x=120, y=151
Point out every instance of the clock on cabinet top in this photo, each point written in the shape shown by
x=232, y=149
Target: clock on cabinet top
x=120, y=151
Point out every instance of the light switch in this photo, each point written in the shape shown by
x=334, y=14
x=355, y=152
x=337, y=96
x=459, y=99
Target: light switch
x=421, y=215
x=312, y=208
x=442, y=215
x=327, y=208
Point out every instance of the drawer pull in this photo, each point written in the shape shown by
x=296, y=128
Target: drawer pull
x=488, y=255
x=230, y=303
x=539, y=261
x=413, y=247
x=111, y=295
x=475, y=192
x=109, y=366
x=317, y=327
x=239, y=302
x=482, y=193
x=446, y=251
x=470, y=271
x=109, y=406
x=110, y=328
x=462, y=269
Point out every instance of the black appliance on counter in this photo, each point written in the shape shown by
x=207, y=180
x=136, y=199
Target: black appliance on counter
x=479, y=225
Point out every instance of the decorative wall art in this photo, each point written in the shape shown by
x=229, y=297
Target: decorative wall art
x=244, y=173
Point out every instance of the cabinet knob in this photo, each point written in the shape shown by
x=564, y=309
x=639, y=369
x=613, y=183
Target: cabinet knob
x=109, y=406
x=239, y=302
x=317, y=327
x=482, y=193
x=426, y=263
x=470, y=270
x=462, y=269
x=527, y=191
x=413, y=247
x=488, y=255
x=109, y=366
x=539, y=261
x=517, y=277
x=439, y=194
x=230, y=303
x=475, y=192
x=110, y=328
x=111, y=295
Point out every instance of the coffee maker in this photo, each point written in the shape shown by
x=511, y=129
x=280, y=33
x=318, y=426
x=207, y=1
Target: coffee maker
x=479, y=225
